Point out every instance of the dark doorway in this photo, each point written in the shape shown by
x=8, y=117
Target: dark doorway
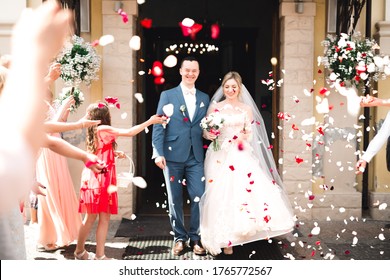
x=246, y=45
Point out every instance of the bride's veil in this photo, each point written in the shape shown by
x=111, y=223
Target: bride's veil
x=259, y=142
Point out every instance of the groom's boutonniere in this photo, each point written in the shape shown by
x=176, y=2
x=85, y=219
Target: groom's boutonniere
x=183, y=109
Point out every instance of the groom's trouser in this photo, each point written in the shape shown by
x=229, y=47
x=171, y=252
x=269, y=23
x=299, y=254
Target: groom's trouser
x=193, y=173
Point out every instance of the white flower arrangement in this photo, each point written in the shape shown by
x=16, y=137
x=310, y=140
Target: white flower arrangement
x=213, y=123
x=352, y=61
x=79, y=61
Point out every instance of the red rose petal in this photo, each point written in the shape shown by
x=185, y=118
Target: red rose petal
x=298, y=160
x=146, y=23
x=111, y=100
x=215, y=31
x=267, y=218
x=231, y=167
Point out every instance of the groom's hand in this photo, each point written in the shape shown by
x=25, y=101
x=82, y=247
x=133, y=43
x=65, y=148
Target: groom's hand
x=160, y=162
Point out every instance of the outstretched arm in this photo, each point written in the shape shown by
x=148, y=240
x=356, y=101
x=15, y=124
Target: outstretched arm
x=132, y=131
x=371, y=101
x=375, y=145
x=63, y=148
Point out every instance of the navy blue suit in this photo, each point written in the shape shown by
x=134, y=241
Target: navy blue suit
x=181, y=144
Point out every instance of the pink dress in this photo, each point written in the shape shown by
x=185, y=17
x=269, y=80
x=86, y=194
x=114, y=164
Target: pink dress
x=97, y=191
x=58, y=218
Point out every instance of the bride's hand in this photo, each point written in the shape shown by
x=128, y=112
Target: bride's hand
x=208, y=135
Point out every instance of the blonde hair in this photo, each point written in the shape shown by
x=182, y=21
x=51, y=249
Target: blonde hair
x=235, y=76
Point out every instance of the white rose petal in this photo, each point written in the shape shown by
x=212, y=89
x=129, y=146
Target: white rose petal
x=139, y=182
x=188, y=22
x=316, y=230
x=139, y=97
x=383, y=206
x=105, y=40
x=170, y=61
x=168, y=110
x=135, y=43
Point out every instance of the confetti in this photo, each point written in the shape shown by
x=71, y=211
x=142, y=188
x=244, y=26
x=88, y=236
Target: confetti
x=140, y=182
x=106, y=39
x=170, y=61
x=215, y=31
x=146, y=23
x=135, y=43
x=139, y=97
x=124, y=16
x=298, y=160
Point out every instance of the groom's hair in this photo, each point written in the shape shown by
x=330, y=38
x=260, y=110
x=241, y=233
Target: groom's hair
x=188, y=58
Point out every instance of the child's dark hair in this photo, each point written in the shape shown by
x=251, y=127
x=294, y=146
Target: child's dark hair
x=97, y=111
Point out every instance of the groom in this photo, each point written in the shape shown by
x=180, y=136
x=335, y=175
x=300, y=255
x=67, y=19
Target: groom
x=178, y=151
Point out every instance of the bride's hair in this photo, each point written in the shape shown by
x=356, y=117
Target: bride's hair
x=232, y=75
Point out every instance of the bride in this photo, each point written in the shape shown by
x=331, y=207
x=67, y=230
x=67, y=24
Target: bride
x=244, y=200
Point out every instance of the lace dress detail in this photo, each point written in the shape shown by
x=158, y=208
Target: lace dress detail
x=241, y=203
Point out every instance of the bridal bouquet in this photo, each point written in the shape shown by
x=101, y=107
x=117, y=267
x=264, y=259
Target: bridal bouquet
x=352, y=61
x=213, y=123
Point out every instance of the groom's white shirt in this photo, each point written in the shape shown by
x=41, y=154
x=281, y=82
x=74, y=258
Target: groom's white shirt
x=190, y=99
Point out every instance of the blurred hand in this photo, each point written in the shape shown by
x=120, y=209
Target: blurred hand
x=39, y=189
x=120, y=154
x=54, y=72
x=208, y=135
x=94, y=163
x=160, y=162
x=88, y=123
x=360, y=166
x=155, y=119
x=368, y=101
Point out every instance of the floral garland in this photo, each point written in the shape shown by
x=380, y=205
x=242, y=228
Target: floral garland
x=352, y=61
x=79, y=61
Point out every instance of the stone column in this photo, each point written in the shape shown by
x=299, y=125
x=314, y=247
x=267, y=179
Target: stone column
x=296, y=55
x=118, y=76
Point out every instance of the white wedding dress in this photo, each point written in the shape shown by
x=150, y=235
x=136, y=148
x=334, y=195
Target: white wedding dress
x=241, y=202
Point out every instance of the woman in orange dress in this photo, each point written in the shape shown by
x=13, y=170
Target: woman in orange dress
x=58, y=217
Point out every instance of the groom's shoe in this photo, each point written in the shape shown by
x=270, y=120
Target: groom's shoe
x=179, y=247
x=197, y=247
